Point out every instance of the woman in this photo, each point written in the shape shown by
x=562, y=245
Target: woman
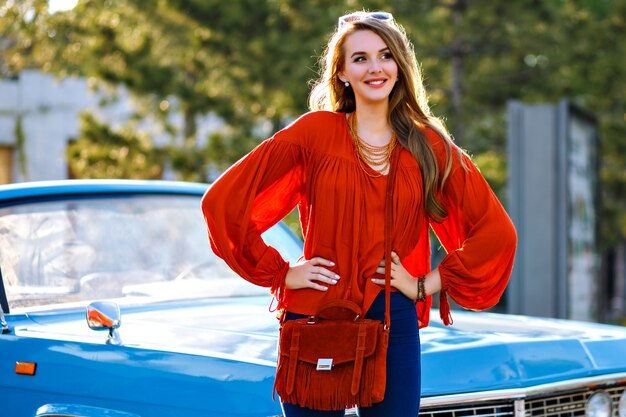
x=368, y=105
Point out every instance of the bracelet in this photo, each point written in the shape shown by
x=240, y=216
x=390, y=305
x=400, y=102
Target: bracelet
x=421, y=290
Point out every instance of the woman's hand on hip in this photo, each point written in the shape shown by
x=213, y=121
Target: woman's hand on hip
x=311, y=273
x=400, y=277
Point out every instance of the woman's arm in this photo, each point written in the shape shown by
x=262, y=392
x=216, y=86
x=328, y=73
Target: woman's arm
x=250, y=197
x=480, y=240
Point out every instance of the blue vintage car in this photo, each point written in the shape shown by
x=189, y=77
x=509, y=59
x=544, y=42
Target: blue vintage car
x=114, y=306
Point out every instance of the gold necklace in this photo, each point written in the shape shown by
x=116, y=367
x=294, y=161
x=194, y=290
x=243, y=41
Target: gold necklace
x=377, y=157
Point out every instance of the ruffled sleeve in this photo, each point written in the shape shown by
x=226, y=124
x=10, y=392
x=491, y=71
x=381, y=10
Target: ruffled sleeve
x=479, y=238
x=251, y=196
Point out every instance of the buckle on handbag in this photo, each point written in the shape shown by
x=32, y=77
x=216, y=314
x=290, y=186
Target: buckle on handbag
x=324, y=364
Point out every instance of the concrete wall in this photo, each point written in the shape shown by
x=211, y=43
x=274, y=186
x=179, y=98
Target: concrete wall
x=50, y=108
x=49, y=111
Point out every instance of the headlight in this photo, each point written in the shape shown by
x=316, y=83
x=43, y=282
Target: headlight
x=621, y=410
x=599, y=405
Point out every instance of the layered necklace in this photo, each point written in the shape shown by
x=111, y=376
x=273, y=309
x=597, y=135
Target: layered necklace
x=377, y=157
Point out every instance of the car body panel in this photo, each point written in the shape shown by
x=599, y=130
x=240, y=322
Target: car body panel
x=30, y=190
x=145, y=380
x=533, y=351
x=217, y=355
x=79, y=410
x=489, y=351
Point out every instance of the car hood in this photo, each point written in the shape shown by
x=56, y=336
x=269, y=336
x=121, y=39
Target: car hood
x=481, y=351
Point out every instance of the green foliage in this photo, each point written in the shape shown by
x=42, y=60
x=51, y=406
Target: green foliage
x=492, y=165
x=250, y=61
x=20, y=143
x=103, y=152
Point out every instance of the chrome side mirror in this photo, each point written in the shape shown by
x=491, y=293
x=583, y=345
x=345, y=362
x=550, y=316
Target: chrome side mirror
x=105, y=315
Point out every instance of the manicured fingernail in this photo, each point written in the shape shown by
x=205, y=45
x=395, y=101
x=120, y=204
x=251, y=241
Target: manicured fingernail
x=331, y=263
x=337, y=276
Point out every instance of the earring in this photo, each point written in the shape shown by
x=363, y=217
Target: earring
x=347, y=84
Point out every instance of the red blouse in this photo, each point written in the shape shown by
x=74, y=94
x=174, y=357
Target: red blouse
x=313, y=164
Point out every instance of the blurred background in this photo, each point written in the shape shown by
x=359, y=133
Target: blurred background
x=535, y=90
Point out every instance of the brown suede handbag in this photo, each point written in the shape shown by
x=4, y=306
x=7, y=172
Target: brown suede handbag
x=337, y=359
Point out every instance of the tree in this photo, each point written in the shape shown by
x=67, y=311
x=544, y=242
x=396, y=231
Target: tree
x=101, y=152
x=249, y=62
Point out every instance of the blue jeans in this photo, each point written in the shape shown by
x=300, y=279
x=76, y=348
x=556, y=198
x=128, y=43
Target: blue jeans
x=402, y=394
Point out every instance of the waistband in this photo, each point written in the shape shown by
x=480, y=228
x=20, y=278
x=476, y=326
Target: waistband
x=400, y=307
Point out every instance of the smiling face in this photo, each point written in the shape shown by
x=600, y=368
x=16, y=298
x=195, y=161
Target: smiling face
x=369, y=67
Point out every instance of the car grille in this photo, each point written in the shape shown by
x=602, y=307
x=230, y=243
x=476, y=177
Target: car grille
x=491, y=410
x=569, y=403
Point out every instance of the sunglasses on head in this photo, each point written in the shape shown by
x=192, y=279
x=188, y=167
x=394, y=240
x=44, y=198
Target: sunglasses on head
x=355, y=17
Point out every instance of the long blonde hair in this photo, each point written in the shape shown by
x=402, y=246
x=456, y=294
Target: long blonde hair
x=409, y=112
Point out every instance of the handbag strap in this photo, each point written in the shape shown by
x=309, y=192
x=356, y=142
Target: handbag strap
x=340, y=304
x=391, y=179
x=293, y=360
x=359, y=359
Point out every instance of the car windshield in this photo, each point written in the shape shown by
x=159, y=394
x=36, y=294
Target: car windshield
x=102, y=247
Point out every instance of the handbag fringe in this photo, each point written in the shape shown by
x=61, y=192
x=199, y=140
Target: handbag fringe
x=312, y=387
